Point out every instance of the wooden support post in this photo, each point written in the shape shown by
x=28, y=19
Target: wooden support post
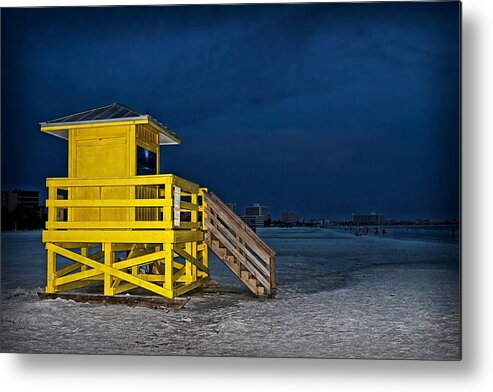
x=205, y=254
x=194, y=199
x=84, y=251
x=168, y=268
x=156, y=265
x=188, y=265
x=193, y=252
x=272, y=267
x=51, y=271
x=108, y=261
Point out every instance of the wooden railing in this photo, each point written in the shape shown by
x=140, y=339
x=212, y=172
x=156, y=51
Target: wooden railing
x=141, y=202
x=238, y=246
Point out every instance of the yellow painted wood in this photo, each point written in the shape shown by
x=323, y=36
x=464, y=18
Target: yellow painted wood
x=84, y=251
x=70, y=268
x=108, y=225
x=111, y=271
x=132, y=262
x=108, y=261
x=122, y=236
x=168, y=267
x=159, y=179
x=188, y=287
x=51, y=271
x=88, y=273
x=111, y=207
x=125, y=287
x=74, y=285
x=189, y=206
x=179, y=274
x=108, y=203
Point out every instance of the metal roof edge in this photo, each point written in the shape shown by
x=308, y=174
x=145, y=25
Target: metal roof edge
x=49, y=124
x=166, y=130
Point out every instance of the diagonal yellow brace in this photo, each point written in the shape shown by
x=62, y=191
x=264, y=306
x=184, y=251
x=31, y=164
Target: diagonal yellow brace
x=187, y=256
x=74, y=266
x=110, y=270
x=135, y=261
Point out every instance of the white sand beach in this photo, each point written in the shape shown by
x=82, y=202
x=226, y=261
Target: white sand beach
x=339, y=296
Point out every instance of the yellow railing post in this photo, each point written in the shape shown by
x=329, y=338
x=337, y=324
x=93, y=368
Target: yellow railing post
x=194, y=199
x=202, y=208
x=52, y=211
x=168, y=196
x=51, y=270
x=168, y=267
x=108, y=261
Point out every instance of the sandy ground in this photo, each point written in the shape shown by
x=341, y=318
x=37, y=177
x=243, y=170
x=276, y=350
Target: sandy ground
x=339, y=296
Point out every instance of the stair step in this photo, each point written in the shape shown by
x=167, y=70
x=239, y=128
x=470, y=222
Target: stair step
x=233, y=243
x=222, y=252
x=230, y=258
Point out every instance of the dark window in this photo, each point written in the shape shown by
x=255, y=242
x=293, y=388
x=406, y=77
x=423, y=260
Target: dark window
x=146, y=162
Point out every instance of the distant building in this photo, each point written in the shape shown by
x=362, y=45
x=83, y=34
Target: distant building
x=290, y=217
x=368, y=219
x=256, y=215
x=317, y=222
x=43, y=213
x=16, y=198
x=20, y=209
x=232, y=206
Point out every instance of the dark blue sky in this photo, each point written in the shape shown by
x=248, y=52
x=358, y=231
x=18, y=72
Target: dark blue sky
x=324, y=109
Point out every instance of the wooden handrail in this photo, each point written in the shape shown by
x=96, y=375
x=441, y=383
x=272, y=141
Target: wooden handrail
x=242, y=243
x=211, y=197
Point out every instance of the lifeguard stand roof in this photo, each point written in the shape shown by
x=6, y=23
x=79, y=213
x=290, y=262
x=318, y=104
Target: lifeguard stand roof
x=114, y=112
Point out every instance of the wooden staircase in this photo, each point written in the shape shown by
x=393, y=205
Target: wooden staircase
x=239, y=247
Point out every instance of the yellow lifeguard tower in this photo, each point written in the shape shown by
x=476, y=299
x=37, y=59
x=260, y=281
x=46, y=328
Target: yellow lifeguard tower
x=121, y=223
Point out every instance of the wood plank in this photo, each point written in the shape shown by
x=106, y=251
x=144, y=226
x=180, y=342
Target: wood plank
x=232, y=266
x=74, y=266
x=149, y=301
x=114, y=236
x=212, y=199
x=124, y=287
x=235, y=268
x=110, y=270
x=188, y=206
x=187, y=256
x=186, y=185
x=188, y=287
x=76, y=285
x=108, y=203
x=109, y=225
x=159, y=179
x=243, y=260
x=252, y=242
x=236, y=244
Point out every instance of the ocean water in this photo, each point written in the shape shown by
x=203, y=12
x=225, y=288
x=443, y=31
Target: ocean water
x=339, y=296
x=442, y=233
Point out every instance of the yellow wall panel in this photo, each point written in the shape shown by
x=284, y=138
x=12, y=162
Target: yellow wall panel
x=101, y=152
